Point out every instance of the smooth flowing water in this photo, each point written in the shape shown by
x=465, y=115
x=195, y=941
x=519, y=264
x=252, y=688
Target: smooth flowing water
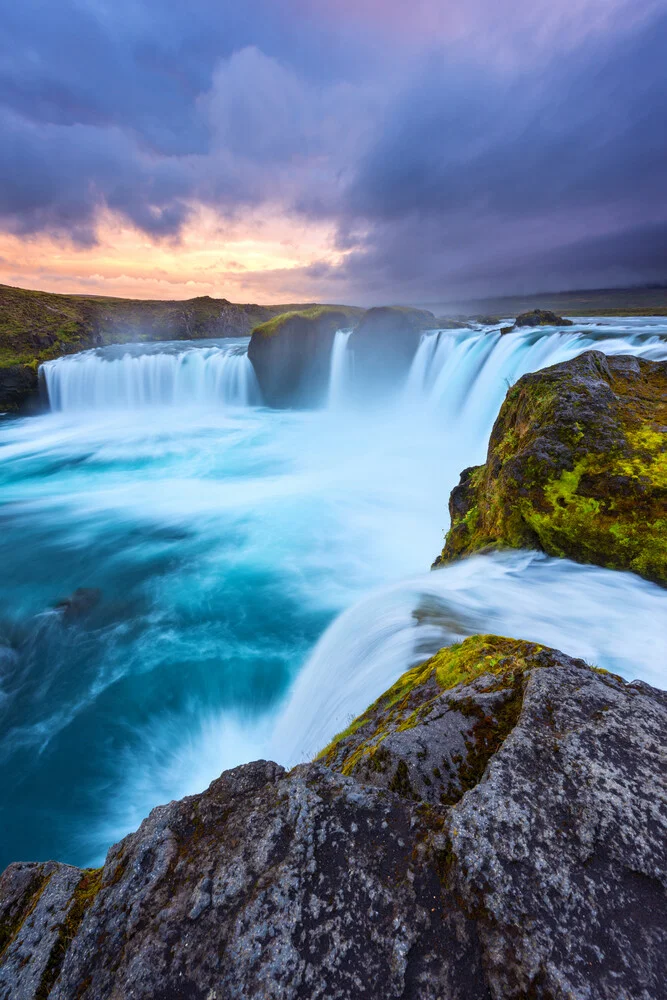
x=252, y=577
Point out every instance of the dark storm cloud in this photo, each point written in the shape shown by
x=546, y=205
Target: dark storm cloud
x=510, y=157
x=477, y=174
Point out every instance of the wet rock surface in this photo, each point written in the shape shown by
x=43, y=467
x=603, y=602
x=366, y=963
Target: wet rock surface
x=538, y=872
x=576, y=467
x=385, y=343
x=291, y=354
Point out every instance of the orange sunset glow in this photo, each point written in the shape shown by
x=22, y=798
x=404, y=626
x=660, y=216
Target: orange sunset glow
x=259, y=258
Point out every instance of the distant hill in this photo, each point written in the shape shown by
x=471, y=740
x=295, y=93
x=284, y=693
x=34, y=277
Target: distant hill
x=37, y=326
x=594, y=302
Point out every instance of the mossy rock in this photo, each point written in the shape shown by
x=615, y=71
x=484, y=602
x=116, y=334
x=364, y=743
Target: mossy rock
x=320, y=315
x=576, y=467
x=291, y=354
x=431, y=735
x=385, y=343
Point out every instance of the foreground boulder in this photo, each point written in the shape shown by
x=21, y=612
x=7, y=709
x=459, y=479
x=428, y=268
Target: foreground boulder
x=291, y=354
x=537, y=317
x=576, y=466
x=494, y=827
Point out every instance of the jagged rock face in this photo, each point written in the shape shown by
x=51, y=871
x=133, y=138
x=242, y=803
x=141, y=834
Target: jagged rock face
x=539, y=871
x=267, y=885
x=562, y=848
x=576, y=466
x=558, y=828
x=431, y=735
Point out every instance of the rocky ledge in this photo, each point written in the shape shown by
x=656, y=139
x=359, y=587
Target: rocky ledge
x=576, y=467
x=494, y=827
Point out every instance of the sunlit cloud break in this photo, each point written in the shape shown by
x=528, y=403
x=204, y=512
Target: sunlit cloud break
x=363, y=152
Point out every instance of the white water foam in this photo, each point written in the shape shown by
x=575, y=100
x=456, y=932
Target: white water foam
x=333, y=505
x=214, y=375
x=610, y=619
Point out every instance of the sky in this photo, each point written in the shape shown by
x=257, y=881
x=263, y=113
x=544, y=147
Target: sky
x=359, y=151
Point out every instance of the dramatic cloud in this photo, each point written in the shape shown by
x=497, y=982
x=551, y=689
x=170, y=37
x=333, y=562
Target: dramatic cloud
x=421, y=151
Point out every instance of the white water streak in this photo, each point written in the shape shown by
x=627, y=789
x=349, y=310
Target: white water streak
x=211, y=377
x=341, y=370
x=610, y=619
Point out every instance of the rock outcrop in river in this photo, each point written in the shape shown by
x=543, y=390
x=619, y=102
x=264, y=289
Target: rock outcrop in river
x=576, y=466
x=494, y=827
x=537, y=317
x=291, y=354
x=384, y=344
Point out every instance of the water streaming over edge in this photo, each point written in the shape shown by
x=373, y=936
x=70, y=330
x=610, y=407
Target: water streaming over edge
x=230, y=536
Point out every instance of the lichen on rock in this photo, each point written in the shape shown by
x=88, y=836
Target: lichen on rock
x=431, y=734
x=537, y=868
x=576, y=467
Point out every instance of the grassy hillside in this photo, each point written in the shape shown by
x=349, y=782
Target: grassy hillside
x=37, y=326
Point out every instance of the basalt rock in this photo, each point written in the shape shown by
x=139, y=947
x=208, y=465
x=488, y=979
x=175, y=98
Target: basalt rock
x=384, y=344
x=494, y=827
x=537, y=317
x=19, y=384
x=576, y=467
x=291, y=354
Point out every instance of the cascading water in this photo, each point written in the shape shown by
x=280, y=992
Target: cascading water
x=217, y=541
x=341, y=370
x=212, y=374
x=613, y=620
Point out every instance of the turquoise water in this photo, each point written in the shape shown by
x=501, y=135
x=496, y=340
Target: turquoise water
x=222, y=546
x=218, y=541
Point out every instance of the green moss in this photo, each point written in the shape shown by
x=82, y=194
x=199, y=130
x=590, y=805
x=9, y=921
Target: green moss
x=488, y=734
x=11, y=926
x=83, y=898
x=273, y=326
x=574, y=471
x=39, y=326
x=408, y=702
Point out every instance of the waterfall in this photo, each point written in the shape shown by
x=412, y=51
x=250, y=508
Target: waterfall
x=341, y=370
x=139, y=376
x=462, y=376
x=611, y=619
